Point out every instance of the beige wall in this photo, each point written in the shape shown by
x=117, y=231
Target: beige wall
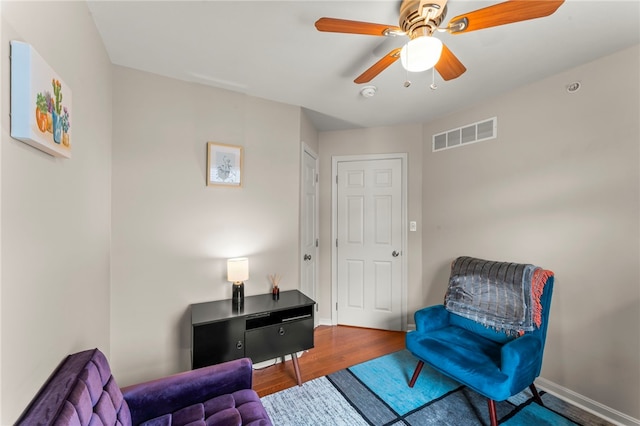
x=383, y=140
x=55, y=226
x=308, y=133
x=171, y=234
x=559, y=188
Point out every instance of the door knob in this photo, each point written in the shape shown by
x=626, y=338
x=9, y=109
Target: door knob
x=307, y=257
x=395, y=254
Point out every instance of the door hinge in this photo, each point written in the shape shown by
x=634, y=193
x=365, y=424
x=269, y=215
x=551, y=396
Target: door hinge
x=336, y=306
x=336, y=179
x=317, y=177
x=336, y=242
x=317, y=243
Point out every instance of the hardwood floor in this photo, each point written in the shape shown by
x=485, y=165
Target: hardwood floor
x=336, y=347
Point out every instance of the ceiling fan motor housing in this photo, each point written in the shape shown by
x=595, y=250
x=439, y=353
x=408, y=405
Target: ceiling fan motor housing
x=421, y=17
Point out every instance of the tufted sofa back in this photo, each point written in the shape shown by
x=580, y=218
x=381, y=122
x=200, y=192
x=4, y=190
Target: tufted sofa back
x=81, y=391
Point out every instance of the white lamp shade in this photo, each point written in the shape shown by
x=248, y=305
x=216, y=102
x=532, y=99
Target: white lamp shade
x=421, y=53
x=238, y=269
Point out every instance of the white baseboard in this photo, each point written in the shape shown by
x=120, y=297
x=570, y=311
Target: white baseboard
x=587, y=404
x=325, y=321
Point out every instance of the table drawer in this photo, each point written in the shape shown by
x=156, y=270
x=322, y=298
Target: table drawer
x=279, y=339
x=217, y=342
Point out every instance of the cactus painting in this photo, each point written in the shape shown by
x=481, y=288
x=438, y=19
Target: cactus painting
x=40, y=103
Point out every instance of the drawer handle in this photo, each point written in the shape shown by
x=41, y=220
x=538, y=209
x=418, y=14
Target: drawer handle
x=239, y=345
x=281, y=331
x=296, y=318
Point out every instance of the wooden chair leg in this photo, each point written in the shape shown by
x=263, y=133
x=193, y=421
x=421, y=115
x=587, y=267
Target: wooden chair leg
x=493, y=415
x=536, y=395
x=416, y=373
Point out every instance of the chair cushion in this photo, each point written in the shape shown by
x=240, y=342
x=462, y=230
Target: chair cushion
x=242, y=407
x=464, y=356
x=479, y=329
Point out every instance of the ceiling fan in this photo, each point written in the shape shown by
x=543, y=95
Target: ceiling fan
x=419, y=19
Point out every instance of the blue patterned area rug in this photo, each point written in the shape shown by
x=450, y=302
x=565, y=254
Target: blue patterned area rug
x=376, y=392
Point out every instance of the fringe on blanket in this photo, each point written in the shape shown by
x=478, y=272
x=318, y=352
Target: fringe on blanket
x=538, y=281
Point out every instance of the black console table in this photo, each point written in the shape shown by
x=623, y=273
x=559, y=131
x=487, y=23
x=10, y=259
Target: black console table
x=261, y=329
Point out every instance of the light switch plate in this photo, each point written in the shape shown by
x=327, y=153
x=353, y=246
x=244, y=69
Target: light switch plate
x=413, y=226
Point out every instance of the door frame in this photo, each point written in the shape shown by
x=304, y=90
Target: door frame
x=306, y=149
x=334, y=228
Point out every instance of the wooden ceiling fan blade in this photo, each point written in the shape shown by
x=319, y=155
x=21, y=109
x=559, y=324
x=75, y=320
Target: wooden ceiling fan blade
x=503, y=13
x=449, y=66
x=378, y=67
x=334, y=25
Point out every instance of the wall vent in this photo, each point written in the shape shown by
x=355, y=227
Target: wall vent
x=471, y=133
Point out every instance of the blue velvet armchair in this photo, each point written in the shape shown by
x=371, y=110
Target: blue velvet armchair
x=490, y=333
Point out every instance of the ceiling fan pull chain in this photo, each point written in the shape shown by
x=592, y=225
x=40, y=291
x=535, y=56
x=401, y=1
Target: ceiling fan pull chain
x=407, y=82
x=433, y=79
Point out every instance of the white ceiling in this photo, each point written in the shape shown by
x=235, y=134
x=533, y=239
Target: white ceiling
x=271, y=49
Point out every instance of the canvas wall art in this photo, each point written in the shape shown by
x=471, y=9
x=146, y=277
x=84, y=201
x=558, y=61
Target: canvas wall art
x=40, y=103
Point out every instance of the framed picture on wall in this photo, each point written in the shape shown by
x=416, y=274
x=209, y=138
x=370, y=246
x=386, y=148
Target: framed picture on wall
x=224, y=165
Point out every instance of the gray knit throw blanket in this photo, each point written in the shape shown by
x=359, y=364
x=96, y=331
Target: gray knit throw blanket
x=499, y=295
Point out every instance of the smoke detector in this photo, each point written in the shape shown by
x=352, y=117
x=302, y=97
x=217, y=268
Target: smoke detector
x=368, y=91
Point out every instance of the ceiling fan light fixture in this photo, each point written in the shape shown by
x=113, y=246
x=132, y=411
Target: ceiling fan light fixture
x=421, y=53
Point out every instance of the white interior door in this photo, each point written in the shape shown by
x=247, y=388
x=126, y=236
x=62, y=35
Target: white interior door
x=309, y=224
x=369, y=243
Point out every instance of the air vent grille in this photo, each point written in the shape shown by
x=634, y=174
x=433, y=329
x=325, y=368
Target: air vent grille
x=471, y=133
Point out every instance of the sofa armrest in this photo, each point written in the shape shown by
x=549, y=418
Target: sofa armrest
x=521, y=360
x=158, y=397
x=431, y=318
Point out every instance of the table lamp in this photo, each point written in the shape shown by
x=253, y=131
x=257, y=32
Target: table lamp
x=237, y=273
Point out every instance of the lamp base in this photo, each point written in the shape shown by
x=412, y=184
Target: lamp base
x=237, y=293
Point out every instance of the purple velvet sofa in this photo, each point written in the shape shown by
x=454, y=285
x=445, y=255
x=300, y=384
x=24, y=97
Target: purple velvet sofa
x=82, y=391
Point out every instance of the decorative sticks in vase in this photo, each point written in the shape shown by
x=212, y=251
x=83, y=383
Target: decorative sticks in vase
x=275, y=291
